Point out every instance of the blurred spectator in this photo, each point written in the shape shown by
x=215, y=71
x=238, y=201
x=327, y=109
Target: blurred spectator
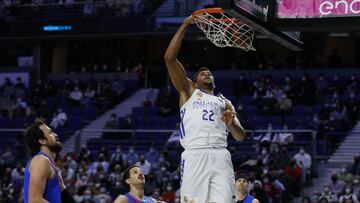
x=346, y=176
x=152, y=155
x=84, y=154
x=168, y=195
x=266, y=138
x=284, y=105
x=356, y=186
x=19, y=108
x=144, y=165
x=355, y=168
x=71, y=163
x=316, y=196
x=89, y=95
x=349, y=195
x=306, y=200
x=337, y=186
x=68, y=175
x=283, y=138
x=76, y=96
x=117, y=156
x=329, y=195
x=100, y=161
x=293, y=171
x=7, y=158
x=131, y=157
x=59, y=119
x=259, y=193
x=116, y=174
x=303, y=159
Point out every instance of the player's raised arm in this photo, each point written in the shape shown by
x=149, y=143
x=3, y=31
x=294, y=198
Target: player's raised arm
x=175, y=68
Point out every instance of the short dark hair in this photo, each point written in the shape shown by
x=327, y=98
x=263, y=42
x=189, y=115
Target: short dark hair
x=32, y=135
x=126, y=176
x=243, y=176
x=198, y=71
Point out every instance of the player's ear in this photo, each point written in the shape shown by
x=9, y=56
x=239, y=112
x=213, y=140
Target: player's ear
x=127, y=181
x=42, y=141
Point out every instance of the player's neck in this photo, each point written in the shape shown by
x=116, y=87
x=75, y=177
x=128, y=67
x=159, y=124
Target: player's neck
x=138, y=192
x=49, y=153
x=242, y=195
x=207, y=91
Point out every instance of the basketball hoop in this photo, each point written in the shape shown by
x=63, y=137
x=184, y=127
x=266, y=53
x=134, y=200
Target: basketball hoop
x=224, y=31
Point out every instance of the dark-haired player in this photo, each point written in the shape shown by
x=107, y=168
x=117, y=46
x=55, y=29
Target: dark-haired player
x=134, y=180
x=42, y=180
x=206, y=168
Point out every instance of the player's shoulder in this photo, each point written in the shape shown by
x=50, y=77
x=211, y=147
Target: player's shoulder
x=121, y=199
x=255, y=201
x=40, y=161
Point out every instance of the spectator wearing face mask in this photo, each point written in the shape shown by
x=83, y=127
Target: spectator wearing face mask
x=329, y=195
x=152, y=155
x=168, y=195
x=349, y=195
x=117, y=156
x=131, y=157
x=87, y=197
x=303, y=159
x=144, y=165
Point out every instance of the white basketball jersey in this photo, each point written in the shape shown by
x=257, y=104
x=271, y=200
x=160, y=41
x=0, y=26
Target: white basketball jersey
x=201, y=125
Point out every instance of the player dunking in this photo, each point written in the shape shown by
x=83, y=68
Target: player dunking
x=207, y=171
x=134, y=181
x=42, y=180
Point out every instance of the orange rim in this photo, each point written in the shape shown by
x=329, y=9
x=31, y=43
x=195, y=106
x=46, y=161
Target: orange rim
x=209, y=10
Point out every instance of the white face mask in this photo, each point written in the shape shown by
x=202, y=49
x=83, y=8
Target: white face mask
x=87, y=197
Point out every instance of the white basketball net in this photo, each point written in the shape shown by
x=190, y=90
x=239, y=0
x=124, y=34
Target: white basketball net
x=224, y=31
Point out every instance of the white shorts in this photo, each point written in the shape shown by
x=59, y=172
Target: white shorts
x=207, y=176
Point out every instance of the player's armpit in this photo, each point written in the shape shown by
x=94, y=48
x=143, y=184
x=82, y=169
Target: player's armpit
x=40, y=171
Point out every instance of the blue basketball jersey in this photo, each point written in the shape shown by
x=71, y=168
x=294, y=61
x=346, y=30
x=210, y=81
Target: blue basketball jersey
x=248, y=199
x=52, y=191
x=132, y=199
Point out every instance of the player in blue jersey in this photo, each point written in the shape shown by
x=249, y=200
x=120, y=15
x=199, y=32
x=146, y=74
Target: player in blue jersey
x=42, y=180
x=134, y=180
x=207, y=172
x=242, y=195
